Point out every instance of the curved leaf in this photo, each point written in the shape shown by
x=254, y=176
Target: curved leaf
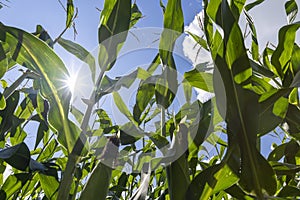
x=210, y=181
x=283, y=52
x=36, y=55
x=98, y=183
x=291, y=10
x=114, y=24
x=242, y=104
x=80, y=53
x=70, y=13
x=17, y=156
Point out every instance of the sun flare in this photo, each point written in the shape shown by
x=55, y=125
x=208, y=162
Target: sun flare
x=71, y=80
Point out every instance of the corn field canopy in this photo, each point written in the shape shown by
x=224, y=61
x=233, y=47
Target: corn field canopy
x=142, y=131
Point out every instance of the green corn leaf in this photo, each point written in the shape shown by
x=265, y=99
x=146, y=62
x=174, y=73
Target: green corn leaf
x=70, y=13
x=293, y=119
x=2, y=102
x=37, y=56
x=145, y=91
x=144, y=95
x=242, y=105
x=6, y=114
x=80, y=53
x=283, y=52
x=211, y=181
x=236, y=8
x=253, y=4
x=166, y=88
x=291, y=10
x=99, y=181
x=17, y=156
x=173, y=27
x=289, y=192
x=285, y=168
x=254, y=45
x=296, y=59
x=277, y=153
x=77, y=114
x=50, y=186
x=199, y=40
x=114, y=25
x=6, y=61
x=201, y=80
x=178, y=171
x=41, y=33
x=104, y=119
x=12, y=184
x=122, y=106
x=236, y=192
x=136, y=15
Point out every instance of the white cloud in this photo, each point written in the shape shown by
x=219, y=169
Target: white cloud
x=190, y=48
x=268, y=18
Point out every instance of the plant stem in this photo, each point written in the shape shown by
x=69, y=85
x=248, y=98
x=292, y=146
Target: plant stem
x=67, y=178
x=163, y=133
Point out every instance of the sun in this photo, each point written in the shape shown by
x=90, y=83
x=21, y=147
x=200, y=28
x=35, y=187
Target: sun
x=71, y=80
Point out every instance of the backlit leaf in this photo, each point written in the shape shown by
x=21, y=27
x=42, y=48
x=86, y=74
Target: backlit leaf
x=80, y=53
x=114, y=24
x=291, y=10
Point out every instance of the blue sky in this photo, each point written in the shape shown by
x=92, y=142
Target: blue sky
x=26, y=14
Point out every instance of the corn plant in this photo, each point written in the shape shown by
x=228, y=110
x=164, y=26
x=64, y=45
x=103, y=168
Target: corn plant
x=83, y=154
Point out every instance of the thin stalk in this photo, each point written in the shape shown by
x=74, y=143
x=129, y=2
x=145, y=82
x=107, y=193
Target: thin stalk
x=77, y=182
x=10, y=90
x=67, y=26
x=258, y=144
x=74, y=156
x=163, y=133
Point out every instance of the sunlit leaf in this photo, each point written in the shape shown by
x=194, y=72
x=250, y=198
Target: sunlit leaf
x=98, y=183
x=2, y=102
x=201, y=80
x=179, y=179
x=253, y=4
x=130, y=133
x=136, y=15
x=80, y=53
x=50, y=185
x=70, y=13
x=114, y=24
x=41, y=33
x=37, y=56
x=254, y=45
x=6, y=61
x=199, y=40
x=166, y=87
x=233, y=63
x=104, y=119
x=122, y=106
x=210, y=181
x=12, y=184
x=283, y=52
x=291, y=10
